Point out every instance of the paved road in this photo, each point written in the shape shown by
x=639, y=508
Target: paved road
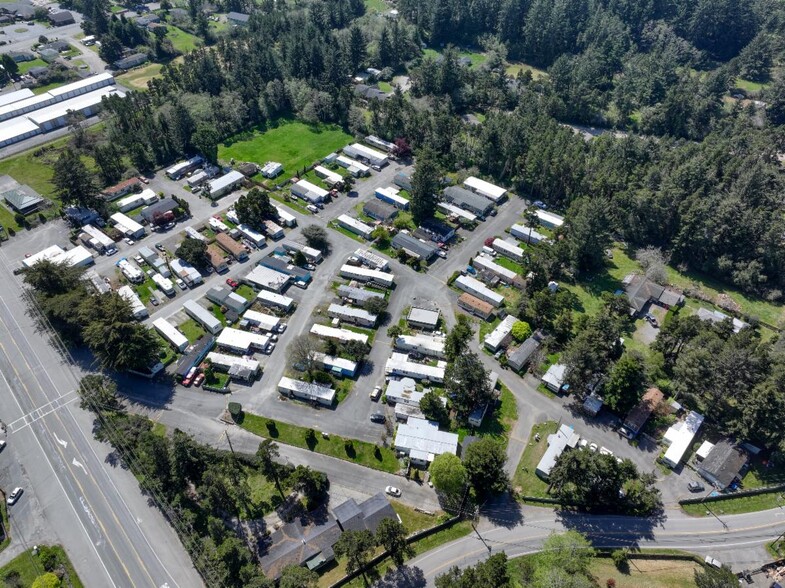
x=97, y=512
x=525, y=530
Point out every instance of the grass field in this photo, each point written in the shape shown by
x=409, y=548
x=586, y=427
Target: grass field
x=26, y=66
x=740, y=505
x=365, y=454
x=475, y=57
x=182, y=41
x=294, y=144
x=376, y=6
x=26, y=567
x=526, y=480
x=191, y=329
x=335, y=226
x=749, y=85
x=137, y=78
x=499, y=423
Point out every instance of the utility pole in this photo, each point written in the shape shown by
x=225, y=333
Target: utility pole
x=228, y=440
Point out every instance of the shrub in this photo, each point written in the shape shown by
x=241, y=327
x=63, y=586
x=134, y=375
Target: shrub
x=610, y=583
x=619, y=557
x=235, y=410
x=310, y=436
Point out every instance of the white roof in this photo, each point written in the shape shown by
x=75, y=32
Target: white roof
x=346, y=162
x=202, y=315
x=350, y=311
x=504, y=328
x=549, y=218
x=680, y=437
x=555, y=375
x=328, y=174
x=340, y=334
x=372, y=258
x=75, y=256
x=217, y=224
x=48, y=253
x=392, y=194
x=102, y=78
x=126, y=222
x=76, y=104
x=429, y=344
x=26, y=105
x=557, y=443
x=244, y=340
x=10, y=97
x=424, y=316
x=716, y=316
x=137, y=306
x=490, y=191
x=225, y=360
x=399, y=364
x=130, y=271
x=312, y=188
x=130, y=201
x=98, y=235
x=360, y=226
x=705, y=449
x=255, y=236
x=366, y=152
x=226, y=180
x=185, y=270
x=163, y=283
x=170, y=333
x=195, y=160
x=508, y=246
x=452, y=209
x=198, y=177
x=484, y=262
x=425, y=436
x=273, y=298
x=307, y=389
x=264, y=277
x=524, y=233
x=267, y=322
x=330, y=361
x=17, y=127
x=286, y=216
x=475, y=287
x=365, y=273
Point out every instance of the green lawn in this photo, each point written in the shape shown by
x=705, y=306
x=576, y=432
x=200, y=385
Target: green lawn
x=376, y=6
x=487, y=326
x=526, y=480
x=169, y=354
x=498, y=423
x=182, y=41
x=760, y=476
x=385, y=87
x=749, y=85
x=365, y=454
x=191, y=329
x=218, y=380
x=26, y=567
x=336, y=227
x=508, y=263
x=292, y=143
x=477, y=58
x=370, y=332
x=411, y=519
x=739, y=505
x=293, y=204
x=46, y=87
x=245, y=291
x=137, y=78
x=26, y=66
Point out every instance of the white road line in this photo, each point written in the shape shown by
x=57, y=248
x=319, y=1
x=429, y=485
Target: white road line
x=29, y=419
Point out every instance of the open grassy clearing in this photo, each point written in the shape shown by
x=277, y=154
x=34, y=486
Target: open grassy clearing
x=26, y=66
x=137, y=78
x=526, y=480
x=26, y=567
x=363, y=453
x=182, y=41
x=191, y=329
x=376, y=6
x=513, y=68
x=740, y=505
x=292, y=143
x=498, y=423
x=477, y=58
x=749, y=85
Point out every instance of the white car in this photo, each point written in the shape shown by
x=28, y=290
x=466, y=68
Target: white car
x=180, y=284
x=281, y=327
x=583, y=443
x=393, y=491
x=128, y=241
x=14, y=496
x=376, y=393
x=605, y=451
x=138, y=259
x=593, y=447
x=441, y=254
x=301, y=285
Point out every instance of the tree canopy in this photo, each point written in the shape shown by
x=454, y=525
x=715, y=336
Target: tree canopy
x=254, y=208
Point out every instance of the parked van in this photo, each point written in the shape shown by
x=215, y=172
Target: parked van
x=312, y=208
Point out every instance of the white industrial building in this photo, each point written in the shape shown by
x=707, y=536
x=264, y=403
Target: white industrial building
x=363, y=153
x=165, y=285
x=400, y=365
x=501, y=335
x=423, y=441
x=350, y=314
x=203, y=316
x=431, y=345
x=343, y=335
x=355, y=168
x=285, y=218
x=549, y=219
x=355, y=226
x=330, y=177
x=242, y=342
x=448, y=208
x=132, y=273
x=310, y=192
x=264, y=278
x=679, y=438
x=224, y=184
x=508, y=249
x=168, y=331
x=273, y=300
x=127, y=226
x=17, y=130
x=483, y=262
x=252, y=235
x=185, y=271
x=526, y=234
x=138, y=309
x=372, y=260
x=363, y=274
x=308, y=391
x=15, y=96
x=490, y=191
x=266, y=322
x=478, y=289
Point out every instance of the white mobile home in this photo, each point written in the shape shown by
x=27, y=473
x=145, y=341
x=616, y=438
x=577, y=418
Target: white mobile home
x=380, y=143
x=343, y=335
x=482, y=262
x=252, y=235
x=391, y=196
x=217, y=225
x=225, y=184
x=266, y=322
x=138, y=309
x=273, y=300
x=181, y=168
x=399, y=365
x=164, y=284
x=127, y=226
x=526, y=234
x=99, y=240
x=431, y=345
x=132, y=273
x=549, y=219
x=508, y=249
x=355, y=226
x=273, y=230
x=264, y=278
x=237, y=367
x=422, y=440
x=490, y=191
x=168, y=331
x=311, y=254
x=330, y=177
x=310, y=192
x=350, y=314
x=192, y=233
x=242, y=342
x=306, y=391
x=203, y=316
x=154, y=260
x=355, y=168
x=363, y=274
x=272, y=169
x=679, y=437
x=372, y=260
x=285, y=218
x=479, y=290
x=363, y=153
x=185, y=271
x=451, y=209
x=501, y=335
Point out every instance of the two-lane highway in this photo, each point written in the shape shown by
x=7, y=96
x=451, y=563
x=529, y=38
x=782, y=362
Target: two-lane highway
x=130, y=543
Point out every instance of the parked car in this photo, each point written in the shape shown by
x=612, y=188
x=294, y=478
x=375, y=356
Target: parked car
x=153, y=300
x=189, y=377
x=2, y=444
x=605, y=451
x=301, y=285
x=378, y=417
x=312, y=208
x=310, y=267
x=128, y=241
x=441, y=254
x=376, y=393
x=583, y=443
x=14, y=496
x=281, y=327
x=159, y=246
x=138, y=259
x=144, y=180
x=593, y=447
x=393, y=491
x=232, y=283
x=696, y=487
x=198, y=380
x=180, y=284
x=710, y=561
